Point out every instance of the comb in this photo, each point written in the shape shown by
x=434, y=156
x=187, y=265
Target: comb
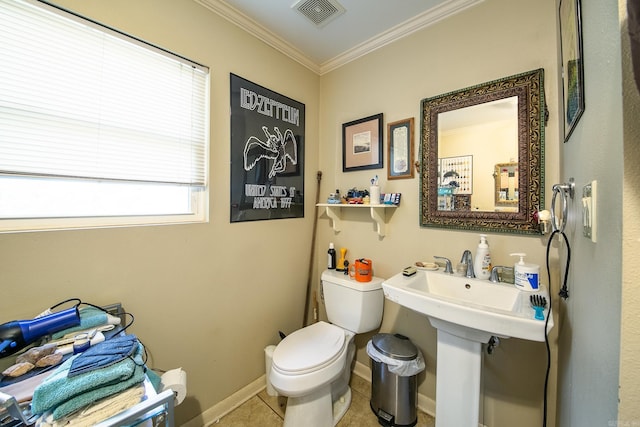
x=538, y=302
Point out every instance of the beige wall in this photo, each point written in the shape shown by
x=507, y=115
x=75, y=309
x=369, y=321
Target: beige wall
x=589, y=341
x=205, y=297
x=483, y=43
x=629, y=409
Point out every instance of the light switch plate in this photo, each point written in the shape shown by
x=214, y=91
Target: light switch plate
x=589, y=211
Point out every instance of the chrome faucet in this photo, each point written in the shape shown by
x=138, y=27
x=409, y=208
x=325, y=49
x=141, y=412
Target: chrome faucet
x=495, y=278
x=447, y=264
x=467, y=259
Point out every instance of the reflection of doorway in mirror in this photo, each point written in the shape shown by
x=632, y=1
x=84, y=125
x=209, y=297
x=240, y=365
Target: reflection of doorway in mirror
x=506, y=178
x=462, y=168
x=489, y=133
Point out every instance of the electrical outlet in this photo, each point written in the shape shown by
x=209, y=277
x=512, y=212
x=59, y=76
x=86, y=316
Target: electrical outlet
x=116, y=309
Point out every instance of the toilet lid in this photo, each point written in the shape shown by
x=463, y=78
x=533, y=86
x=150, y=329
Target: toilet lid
x=309, y=348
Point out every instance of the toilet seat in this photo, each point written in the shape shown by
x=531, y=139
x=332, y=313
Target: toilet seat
x=309, y=349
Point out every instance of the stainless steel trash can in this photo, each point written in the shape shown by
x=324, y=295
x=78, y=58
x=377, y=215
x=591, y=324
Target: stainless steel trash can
x=393, y=397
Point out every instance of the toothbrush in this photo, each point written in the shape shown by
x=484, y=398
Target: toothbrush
x=538, y=302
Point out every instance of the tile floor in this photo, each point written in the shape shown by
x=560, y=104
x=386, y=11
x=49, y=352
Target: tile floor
x=266, y=411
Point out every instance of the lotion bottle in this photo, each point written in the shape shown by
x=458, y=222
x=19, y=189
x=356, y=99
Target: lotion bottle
x=482, y=263
x=527, y=276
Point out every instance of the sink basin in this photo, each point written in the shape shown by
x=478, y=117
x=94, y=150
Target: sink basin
x=466, y=313
x=470, y=308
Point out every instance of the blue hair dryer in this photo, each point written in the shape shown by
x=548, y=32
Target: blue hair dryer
x=17, y=334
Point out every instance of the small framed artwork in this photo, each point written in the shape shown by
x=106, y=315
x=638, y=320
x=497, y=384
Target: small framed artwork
x=362, y=144
x=572, y=64
x=400, y=149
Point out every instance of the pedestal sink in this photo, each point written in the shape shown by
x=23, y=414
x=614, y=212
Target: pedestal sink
x=466, y=313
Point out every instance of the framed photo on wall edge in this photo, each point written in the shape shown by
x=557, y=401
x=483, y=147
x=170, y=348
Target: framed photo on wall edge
x=362, y=144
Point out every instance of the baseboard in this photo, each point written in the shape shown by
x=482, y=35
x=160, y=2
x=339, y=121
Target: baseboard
x=362, y=370
x=220, y=409
x=425, y=404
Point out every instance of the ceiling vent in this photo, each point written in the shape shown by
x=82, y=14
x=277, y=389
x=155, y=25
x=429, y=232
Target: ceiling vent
x=320, y=12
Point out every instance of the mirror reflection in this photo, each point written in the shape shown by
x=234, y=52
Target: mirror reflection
x=506, y=189
x=481, y=155
x=470, y=142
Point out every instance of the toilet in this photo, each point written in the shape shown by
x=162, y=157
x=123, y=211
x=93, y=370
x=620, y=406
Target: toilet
x=312, y=366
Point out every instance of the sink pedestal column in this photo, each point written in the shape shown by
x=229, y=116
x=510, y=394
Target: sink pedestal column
x=457, y=381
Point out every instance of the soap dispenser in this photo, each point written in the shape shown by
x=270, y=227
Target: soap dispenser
x=482, y=263
x=527, y=276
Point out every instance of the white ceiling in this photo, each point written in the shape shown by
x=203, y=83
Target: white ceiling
x=365, y=26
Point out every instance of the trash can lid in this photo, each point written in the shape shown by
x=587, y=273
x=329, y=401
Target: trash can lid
x=395, y=346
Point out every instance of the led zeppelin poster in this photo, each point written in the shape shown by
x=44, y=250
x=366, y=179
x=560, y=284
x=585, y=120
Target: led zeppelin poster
x=267, y=153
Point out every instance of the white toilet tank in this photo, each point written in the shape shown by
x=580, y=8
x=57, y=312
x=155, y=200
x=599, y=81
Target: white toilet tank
x=352, y=305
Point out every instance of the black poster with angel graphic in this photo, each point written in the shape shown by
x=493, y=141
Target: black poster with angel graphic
x=267, y=153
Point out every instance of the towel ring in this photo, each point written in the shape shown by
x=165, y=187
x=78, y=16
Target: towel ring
x=564, y=190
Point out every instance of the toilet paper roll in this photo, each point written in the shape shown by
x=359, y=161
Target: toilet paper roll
x=176, y=380
x=374, y=194
x=268, y=360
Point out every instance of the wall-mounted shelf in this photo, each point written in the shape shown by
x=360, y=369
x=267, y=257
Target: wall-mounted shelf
x=378, y=214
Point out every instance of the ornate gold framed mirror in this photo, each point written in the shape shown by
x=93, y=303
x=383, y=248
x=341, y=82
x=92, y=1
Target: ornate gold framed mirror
x=466, y=134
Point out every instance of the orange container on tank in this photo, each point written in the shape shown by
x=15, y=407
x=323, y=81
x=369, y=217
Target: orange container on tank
x=361, y=270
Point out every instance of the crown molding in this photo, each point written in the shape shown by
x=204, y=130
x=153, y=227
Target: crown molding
x=402, y=30
x=236, y=17
x=398, y=32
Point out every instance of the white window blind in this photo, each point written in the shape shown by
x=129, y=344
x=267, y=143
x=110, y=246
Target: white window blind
x=97, y=128
x=79, y=100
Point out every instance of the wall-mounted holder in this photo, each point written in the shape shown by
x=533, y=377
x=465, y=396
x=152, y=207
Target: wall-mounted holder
x=566, y=190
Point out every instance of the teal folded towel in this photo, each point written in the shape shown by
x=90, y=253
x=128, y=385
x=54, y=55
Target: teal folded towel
x=63, y=395
x=155, y=380
x=90, y=317
x=90, y=397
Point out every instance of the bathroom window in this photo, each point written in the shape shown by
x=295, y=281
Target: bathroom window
x=96, y=128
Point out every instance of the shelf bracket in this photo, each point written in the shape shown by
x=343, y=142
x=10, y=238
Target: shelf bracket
x=334, y=214
x=379, y=216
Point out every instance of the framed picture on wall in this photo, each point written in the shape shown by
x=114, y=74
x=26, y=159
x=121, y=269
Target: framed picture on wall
x=267, y=153
x=572, y=64
x=400, y=149
x=362, y=144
